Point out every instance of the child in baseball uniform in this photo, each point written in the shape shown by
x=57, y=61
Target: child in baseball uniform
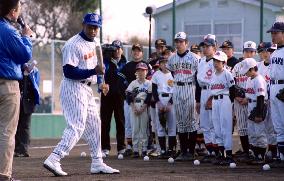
x=162, y=85
x=139, y=94
x=240, y=107
x=256, y=96
x=204, y=75
x=264, y=50
x=221, y=83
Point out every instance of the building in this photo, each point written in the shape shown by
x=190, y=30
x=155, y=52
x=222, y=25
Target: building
x=235, y=20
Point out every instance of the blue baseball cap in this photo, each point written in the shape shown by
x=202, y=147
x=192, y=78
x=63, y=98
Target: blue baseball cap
x=117, y=44
x=276, y=27
x=93, y=19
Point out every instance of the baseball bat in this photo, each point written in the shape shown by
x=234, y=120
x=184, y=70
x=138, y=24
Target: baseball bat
x=101, y=64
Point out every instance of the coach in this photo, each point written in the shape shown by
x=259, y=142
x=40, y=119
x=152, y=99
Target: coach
x=15, y=49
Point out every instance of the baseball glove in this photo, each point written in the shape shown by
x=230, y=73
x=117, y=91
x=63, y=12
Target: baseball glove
x=253, y=113
x=240, y=92
x=162, y=118
x=280, y=95
x=208, y=105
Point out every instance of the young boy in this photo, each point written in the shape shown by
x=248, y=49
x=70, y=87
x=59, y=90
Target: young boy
x=139, y=94
x=256, y=96
x=162, y=85
x=240, y=107
x=221, y=83
x=264, y=50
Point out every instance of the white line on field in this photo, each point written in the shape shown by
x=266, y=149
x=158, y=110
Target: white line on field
x=46, y=147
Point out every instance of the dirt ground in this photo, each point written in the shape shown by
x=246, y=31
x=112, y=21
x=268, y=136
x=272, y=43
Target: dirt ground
x=78, y=168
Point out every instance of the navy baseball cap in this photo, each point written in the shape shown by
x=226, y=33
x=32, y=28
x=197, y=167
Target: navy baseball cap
x=276, y=27
x=195, y=48
x=142, y=66
x=209, y=40
x=117, y=44
x=93, y=19
x=160, y=42
x=227, y=44
x=264, y=46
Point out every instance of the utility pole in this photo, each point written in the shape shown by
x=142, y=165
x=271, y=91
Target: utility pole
x=174, y=20
x=101, y=14
x=261, y=22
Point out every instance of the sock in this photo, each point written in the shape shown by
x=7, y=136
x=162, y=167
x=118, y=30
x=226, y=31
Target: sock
x=222, y=150
x=245, y=143
x=162, y=142
x=192, y=141
x=216, y=149
x=183, y=142
x=229, y=153
x=172, y=142
x=209, y=147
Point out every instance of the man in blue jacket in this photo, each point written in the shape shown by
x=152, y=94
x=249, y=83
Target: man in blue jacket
x=15, y=50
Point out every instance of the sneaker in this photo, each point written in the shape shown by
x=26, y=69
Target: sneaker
x=25, y=154
x=185, y=157
x=228, y=160
x=278, y=163
x=97, y=168
x=218, y=160
x=135, y=154
x=207, y=159
x=106, y=152
x=180, y=157
x=54, y=166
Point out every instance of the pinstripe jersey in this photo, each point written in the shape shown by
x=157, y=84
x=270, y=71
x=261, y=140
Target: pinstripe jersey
x=205, y=71
x=140, y=89
x=184, y=68
x=240, y=79
x=81, y=53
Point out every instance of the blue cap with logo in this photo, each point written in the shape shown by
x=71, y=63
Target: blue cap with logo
x=276, y=27
x=92, y=19
x=117, y=44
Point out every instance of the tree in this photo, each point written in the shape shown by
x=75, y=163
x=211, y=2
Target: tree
x=54, y=19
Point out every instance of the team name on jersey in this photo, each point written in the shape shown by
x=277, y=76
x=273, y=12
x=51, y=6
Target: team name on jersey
x=277, y=60
x=183, y=68
x=137, y=90
x=89, y=55
x=241, y=79
x=217, y=86
x=251, y=90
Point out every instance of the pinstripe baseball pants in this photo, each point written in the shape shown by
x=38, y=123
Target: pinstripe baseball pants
x=241, y=112
x=183, y=99
x=82, y=118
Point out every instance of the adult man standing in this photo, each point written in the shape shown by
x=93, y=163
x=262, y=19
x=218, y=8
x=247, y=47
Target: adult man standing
x=78, y=103
x=112, y=102
x=277, y=88
x=15, y=50
x=184, y=66
x=228, y=48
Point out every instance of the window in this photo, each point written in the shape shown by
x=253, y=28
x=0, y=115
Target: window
x=203, y=4
x=223, y=30
x=222, y=3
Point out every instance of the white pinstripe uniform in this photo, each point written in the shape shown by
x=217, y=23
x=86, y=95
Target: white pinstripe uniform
x=184, y=69
x=165, y=90
x=264, y=70
x=77, y=100
x=204, y=77
x=139, y=123
x=241, y=111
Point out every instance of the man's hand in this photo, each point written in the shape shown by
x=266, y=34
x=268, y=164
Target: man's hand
x=27, y=31
x=99, y=70
x=104, y=87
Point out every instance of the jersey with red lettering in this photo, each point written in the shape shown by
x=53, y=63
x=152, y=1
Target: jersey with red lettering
x=221, y=83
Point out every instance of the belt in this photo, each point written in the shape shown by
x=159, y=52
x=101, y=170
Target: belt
x=250, y=100
x=219, y=96
x=165, y=95
x=86, y=82
x=205, y=87
x=277, y=81
x=183, y=83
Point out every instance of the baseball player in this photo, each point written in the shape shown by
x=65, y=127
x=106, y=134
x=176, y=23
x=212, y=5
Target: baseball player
x=240, y=107
x=276, y=85
x=162, y=88
x=196, y=50
x=264, y=50
x=256, y=95
x=221, y=86
x=139, y=94
x=228, y=48
x=184, y=66
x=77, y=100
x=204, y=75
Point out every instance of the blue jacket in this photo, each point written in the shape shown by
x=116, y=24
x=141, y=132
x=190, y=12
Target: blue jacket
x=14, y=51
x=35, y=78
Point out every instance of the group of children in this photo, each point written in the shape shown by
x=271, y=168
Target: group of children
x=199, y=86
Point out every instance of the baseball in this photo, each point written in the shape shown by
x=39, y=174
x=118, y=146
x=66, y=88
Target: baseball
x=196, y=162
x=233, y=165
x=120, y=157
x=171, y=160
x=266, y=167
x=83, y=154
x=146, y=158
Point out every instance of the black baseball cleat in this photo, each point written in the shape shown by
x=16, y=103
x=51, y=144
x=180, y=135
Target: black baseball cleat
x=227, y=161
x=218, y=160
